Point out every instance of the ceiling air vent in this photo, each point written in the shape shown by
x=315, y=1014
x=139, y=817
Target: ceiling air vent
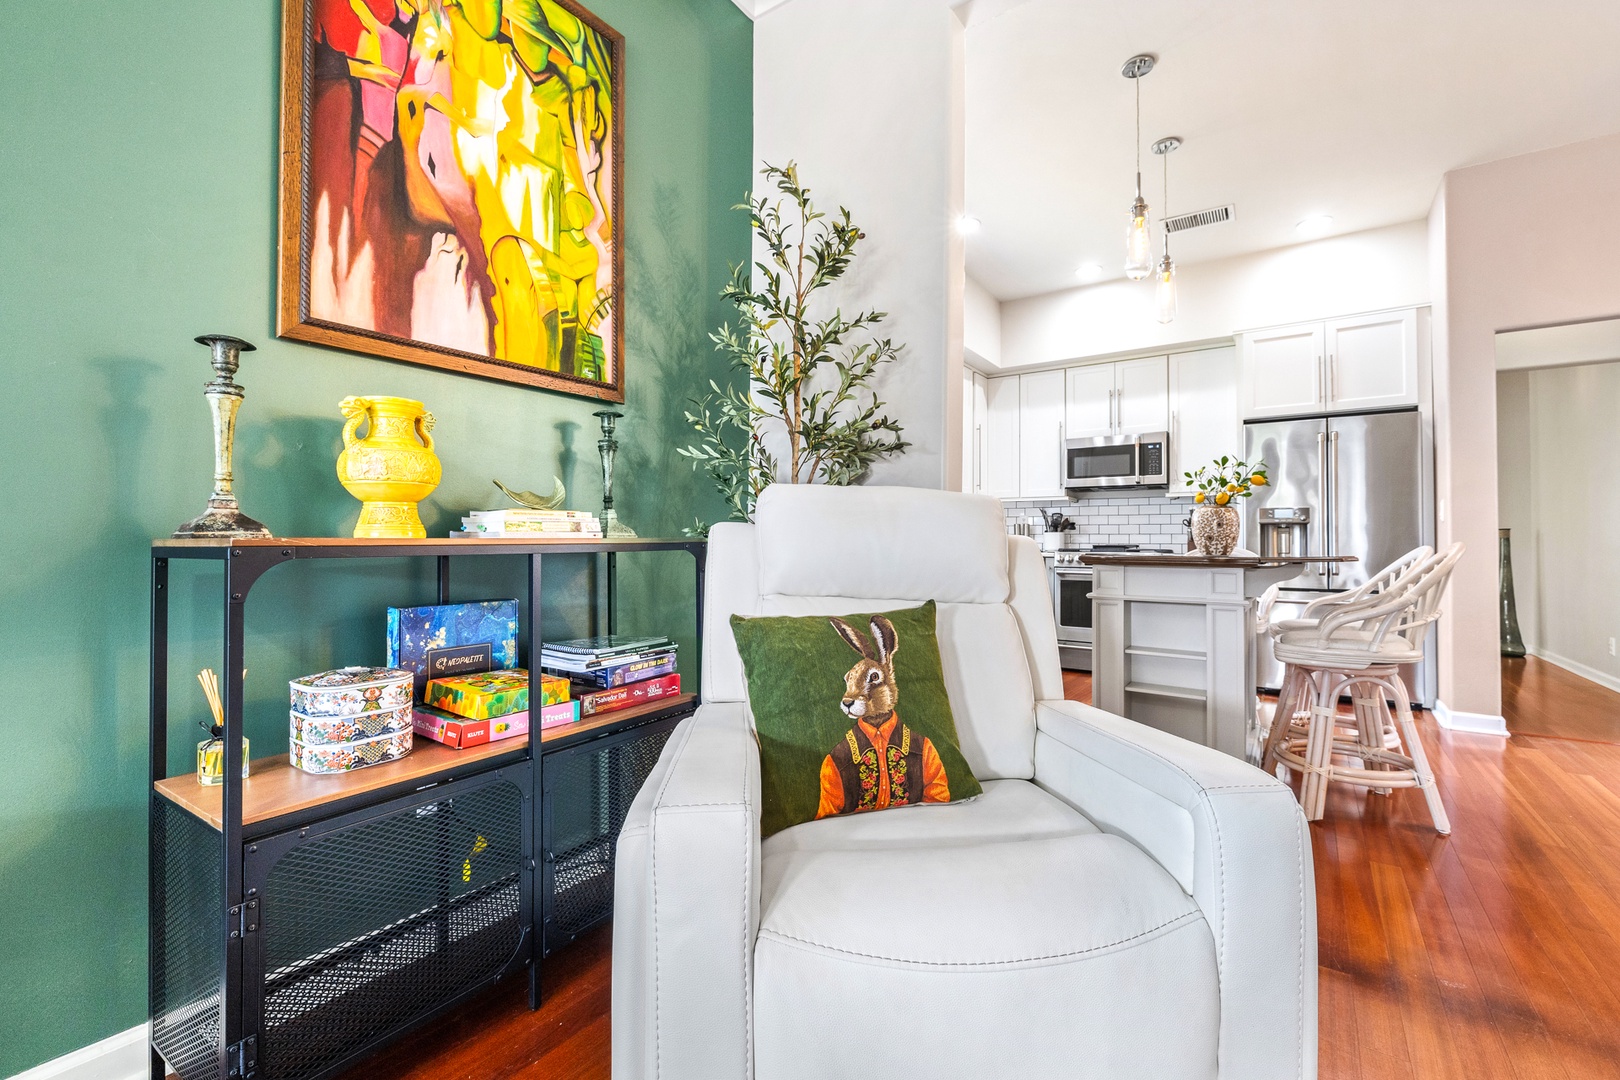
x=1182, y=222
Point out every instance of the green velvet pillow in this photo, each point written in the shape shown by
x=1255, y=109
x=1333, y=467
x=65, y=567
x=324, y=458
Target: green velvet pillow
x=852, y=714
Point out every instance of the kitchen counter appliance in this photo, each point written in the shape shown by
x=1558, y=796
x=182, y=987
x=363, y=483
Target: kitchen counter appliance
x=1071, y=582
x=1116, y=461
x=1340, y=485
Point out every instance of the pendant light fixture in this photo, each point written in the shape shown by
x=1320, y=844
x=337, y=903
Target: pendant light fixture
x=1166, y=288
x=1138, y=234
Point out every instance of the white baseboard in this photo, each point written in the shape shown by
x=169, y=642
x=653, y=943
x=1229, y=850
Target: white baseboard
x=117, y=1057
x=1575, y=667
x=1472, y=722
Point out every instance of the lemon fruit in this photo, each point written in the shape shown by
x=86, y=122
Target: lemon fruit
x=1222, y=499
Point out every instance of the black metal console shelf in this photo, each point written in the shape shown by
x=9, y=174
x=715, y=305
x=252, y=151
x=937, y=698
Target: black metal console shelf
x=299, y=922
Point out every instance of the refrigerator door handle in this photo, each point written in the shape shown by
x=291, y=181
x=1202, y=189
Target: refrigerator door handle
x=1322, y=498
x=1333, y=488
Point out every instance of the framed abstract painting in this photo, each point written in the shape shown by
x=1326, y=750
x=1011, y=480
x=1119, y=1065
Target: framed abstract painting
x=451, y=177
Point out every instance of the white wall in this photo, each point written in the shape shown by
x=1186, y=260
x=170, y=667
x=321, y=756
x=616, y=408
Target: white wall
x=981, y=328
x=1342, y=275
x=1527, y=241
x=867, y=98
x=1515, y=491
x=1558, y=449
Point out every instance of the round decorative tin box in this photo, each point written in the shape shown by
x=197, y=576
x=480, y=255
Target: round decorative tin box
x=344, y=757
x=328, y=730
x=351, y=691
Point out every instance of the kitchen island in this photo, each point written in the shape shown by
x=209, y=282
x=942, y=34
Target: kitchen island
x=1174, y=641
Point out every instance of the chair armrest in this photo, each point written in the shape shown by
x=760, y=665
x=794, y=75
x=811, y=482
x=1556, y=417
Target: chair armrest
x=686, y=906
x=1236, y=841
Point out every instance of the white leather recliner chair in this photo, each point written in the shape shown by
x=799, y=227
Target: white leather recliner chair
x=1119, y=903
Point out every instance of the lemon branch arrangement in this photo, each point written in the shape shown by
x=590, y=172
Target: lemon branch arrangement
x=1224, y=480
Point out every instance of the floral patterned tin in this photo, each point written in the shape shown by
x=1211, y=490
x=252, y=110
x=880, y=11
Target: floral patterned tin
x=345, y=757
x=351, y=691
x=327, y=730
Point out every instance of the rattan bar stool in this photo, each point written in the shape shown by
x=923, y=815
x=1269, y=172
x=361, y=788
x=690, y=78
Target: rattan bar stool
x=1292, y=705
x=1359, y=650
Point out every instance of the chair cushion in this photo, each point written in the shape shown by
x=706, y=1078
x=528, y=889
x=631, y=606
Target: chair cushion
x=1348, y=648
x=852, y=714
x=1076, y=953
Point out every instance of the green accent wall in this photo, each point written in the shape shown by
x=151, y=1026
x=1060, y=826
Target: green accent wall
x=139, y=185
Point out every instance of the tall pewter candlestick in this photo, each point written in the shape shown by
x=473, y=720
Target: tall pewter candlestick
x=609, y=446
x=223, y=517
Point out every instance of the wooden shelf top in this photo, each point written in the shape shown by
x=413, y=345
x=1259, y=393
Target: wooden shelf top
x=275, y=789
x=316, y=547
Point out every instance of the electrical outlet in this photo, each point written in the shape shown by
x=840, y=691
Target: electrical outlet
x=1611, y=646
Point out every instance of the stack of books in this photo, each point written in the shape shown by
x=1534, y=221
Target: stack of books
x=571, y=524
x=614, y=672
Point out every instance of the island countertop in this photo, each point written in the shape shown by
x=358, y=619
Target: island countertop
x=1241, y=562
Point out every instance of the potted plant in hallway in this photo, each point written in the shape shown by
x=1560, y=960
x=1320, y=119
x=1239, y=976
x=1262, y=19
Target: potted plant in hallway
x=807, y=413
x=1215, y=521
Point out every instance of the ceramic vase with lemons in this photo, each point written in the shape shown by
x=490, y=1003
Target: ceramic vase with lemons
x=390, y=469
x=1216, y=525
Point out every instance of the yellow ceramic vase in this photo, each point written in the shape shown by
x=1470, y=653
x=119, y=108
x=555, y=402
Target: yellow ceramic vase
x=393, y=468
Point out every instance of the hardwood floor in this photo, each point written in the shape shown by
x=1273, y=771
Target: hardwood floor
x=1585, y=709
x=1494, y=952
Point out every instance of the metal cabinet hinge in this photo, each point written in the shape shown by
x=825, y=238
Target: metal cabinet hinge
x=244, y=919
x=244, y=1057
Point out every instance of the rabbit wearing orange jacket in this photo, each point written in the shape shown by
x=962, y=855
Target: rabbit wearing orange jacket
x=880, y=762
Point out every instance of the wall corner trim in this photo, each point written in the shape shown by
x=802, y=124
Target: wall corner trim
x=1473, y=723
x=118, y=1057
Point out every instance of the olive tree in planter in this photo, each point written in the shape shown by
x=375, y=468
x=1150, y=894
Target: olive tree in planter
x=808, y=413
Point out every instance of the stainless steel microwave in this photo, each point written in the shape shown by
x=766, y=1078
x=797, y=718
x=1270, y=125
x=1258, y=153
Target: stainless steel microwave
x=1113, y=461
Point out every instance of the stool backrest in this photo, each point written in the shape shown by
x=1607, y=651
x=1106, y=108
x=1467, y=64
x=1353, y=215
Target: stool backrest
x=1379, y=583
x=1405, y=608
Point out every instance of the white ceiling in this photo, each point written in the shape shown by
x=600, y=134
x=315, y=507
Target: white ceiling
x=1288, y=108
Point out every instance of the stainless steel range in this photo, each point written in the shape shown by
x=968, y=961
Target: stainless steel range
x=1071, y=599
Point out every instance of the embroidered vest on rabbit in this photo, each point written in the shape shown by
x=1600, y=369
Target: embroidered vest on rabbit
x=870, y=784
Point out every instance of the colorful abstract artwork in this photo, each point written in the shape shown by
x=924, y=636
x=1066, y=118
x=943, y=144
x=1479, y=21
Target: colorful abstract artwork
x=451, y=186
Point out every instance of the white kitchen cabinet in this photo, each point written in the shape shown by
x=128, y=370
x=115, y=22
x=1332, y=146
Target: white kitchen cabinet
x=973, y=421
x=1089, y=401
x=1339, y=366
x=1372, y=361
x=1141, y=395
x=1280, y=371
x=1204, y=424
x=1001, y=423
x=1040, y=435
x=1127, y=397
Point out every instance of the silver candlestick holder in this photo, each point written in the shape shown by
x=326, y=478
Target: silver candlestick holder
x=609, y=447
x=223, y=518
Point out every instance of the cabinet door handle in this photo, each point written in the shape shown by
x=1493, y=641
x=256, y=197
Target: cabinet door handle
x=1333, y=378
x=1321, y=397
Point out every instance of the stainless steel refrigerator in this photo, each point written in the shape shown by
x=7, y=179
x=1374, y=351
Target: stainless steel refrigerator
x=1362, y=485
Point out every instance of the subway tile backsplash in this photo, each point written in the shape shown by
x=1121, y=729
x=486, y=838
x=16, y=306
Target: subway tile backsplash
x=1149, y=520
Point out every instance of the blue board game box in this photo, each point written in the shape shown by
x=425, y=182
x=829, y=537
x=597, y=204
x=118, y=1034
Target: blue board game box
x=453, y=639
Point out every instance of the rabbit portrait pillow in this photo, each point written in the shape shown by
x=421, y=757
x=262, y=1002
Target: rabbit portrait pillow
x=852, y=714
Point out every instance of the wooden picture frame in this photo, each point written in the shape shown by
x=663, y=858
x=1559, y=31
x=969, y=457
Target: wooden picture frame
x=386, y=252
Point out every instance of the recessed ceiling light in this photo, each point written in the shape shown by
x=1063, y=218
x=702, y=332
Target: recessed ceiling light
x=1315, y=225
x=1090, y=271
x=967, y=224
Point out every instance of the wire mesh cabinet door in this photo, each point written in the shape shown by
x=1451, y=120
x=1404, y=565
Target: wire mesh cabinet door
x=371, y=922
x=188, y=956
x=587, y=792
